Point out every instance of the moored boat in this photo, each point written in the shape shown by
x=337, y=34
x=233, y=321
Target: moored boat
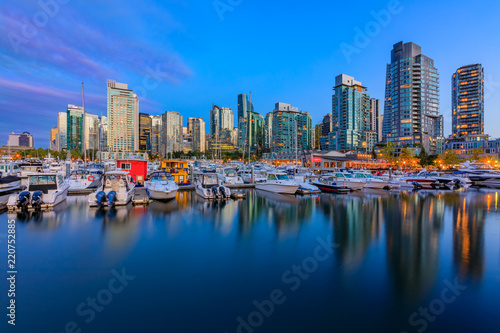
x=161, y=186
x=116, y=189
x=278, y=182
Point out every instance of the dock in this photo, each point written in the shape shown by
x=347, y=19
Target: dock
x=141, y=196
x=183, y=188
x=81, y=192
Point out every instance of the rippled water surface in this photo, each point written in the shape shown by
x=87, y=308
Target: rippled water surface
x=365, y=262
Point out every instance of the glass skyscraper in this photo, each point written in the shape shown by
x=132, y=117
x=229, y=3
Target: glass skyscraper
x=145, y=132
x=411, y=108
x=467, y=101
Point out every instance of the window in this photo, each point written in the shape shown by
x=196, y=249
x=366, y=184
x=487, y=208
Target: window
x=126, y=166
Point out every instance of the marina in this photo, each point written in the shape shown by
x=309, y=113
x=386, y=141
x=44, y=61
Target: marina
x=383, y=255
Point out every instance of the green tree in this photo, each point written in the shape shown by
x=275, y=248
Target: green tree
x=477, y=153
x=405, y=156
x=449, y=158
x=424, y=159
x=388, y=152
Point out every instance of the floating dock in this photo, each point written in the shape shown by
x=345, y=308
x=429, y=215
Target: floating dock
x=141, y=196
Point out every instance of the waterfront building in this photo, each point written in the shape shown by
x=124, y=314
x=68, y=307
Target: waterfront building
x=54, y=139
x=197, y=129
x=244, y=105
x=123, y=118
x=291, y=129
x=103, y=133
x=221, y=129
x=74, y=131
x=253, y=137
x=187, y=140
x=411, y=106
x=156, y=128
x=21, y=140
x=467, y=101
x=171, y=133
x=91, y=131
x=145, y=132
x=375, y=118
x=62, y=128
x=350, y=116
x=268, y=131
x=465, y=145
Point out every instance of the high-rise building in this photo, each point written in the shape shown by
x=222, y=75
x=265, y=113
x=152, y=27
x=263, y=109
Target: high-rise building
x=103, y=133
x=156, y=130
x=255, y=134
x=318, y=131
x=411, y=106
x=145, y=132
x=171, y=134
x=221, y=128
x=74, y=132
x=62, y=128
x=196, y=126
x=304, y=131
x=284, y=128
x=375, y=118
x=123, y=118
x=327, y=124
x=91, y=125
x=268, y=131
x=244, y=105
x=21, y=140
x=350, y=115
x=467, y=101
x=54, y=139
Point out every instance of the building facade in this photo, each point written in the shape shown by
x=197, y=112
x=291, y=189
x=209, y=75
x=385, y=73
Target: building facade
x=74, y=132
x=156, y=128
x=62, y=127
x=145, y=132
x=197, y=129
x=123, y=118
x=54, y=138
x=291, y=129
x=171, y=135
x=411, y=106
x=21, y=140
x=350, y=116
x=467, y=101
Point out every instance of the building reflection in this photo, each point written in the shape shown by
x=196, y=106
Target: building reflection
x=413, y=223
x=468, y=236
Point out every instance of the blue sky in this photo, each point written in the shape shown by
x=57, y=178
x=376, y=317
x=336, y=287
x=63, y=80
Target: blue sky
x=185, y=55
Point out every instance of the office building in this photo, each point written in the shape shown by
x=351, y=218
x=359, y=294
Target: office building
x=171, y=135
x=62, y=128
x=21, y=140
x=54, y=139
x=145, y=132
x=197, y=129
x=156, y=130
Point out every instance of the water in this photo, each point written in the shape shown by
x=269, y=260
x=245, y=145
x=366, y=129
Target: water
x=366, y=262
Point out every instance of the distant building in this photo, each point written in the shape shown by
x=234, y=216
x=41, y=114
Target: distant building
x=103, y=133
x=376, y=118
x=123, y=118
x=197, y=129
x=244, y=105
x=145, y=132
x=54, y=139
x=350, y=116
x=62, y=128
x=253, y=137
x=467, y=101
x=411, y=107
x=268, y=131
x=91, y=132
x=221, y=129
x=463, y=146
x=171, y=134
x=318, y=131
x=292, y=130
x=156, y=129
x=74, y=131
x=21, y=140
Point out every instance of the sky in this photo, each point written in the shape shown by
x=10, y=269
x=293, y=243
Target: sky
x=184, y=55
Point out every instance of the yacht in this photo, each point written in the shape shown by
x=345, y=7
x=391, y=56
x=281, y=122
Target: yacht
x=82, y=179
x=9, y=169
x=44, y=191
x=331, y=184
x=371, y=182
x=345, y=178
x=161, y=186
x=230, y=176
x=430, y=180
x=208, y=186
x=278, y=182
x=481, y=174
x=28, y=167
x=116, y=189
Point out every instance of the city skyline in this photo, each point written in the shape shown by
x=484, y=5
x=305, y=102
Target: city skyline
x=43, y=84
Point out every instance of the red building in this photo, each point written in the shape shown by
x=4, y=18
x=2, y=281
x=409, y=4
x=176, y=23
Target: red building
x=136, y=168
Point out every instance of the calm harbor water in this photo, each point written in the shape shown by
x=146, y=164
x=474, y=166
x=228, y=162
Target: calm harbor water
x=364, y=262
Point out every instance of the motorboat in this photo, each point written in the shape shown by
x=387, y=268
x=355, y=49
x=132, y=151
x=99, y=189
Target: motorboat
x=278, y=182
x=230, y=176
x=345, y=178
x=9, y=183
x=116, y=189
x=208, y=186
x=161, y=186
x=80, y=180
x=481, y=174
x=430, y=180
x=9, y=169
x=331, y=184
x=44, y=191
x=371, y=182
x=28, y=167
x=308, y=188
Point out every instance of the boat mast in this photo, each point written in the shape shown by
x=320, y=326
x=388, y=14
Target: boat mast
x=84, y=130
x=248, y=127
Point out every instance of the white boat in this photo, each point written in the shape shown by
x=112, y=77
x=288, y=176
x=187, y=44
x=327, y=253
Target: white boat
x=370, y=181
x=430, y=180
x=229, y=176
x=480, y=174
x=308, y=188
x=116, y=189
x=44, y=191
x=9, y=183
x=278, y=182
x=9, y=169
x=161, y=186
x=208, y=186
x=80, y=180
x=345, y=178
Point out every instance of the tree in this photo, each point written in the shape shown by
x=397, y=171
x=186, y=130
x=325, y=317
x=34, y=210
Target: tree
x=425, y=159
x=448, y=158
x=388, y=152
x=374, y=154
x=406, y=156
x=477, y=153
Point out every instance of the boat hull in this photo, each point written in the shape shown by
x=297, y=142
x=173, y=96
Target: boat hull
x=277, y=188
x=162, y=195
